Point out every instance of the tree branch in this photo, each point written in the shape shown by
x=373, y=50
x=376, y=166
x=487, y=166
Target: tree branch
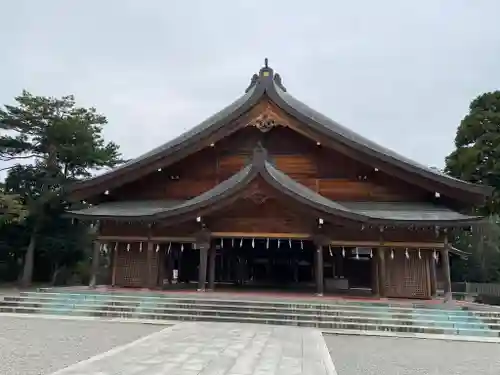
x=7, y=168
x=9, y=158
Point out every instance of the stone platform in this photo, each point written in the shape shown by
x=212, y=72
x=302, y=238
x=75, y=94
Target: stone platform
x=216, y=349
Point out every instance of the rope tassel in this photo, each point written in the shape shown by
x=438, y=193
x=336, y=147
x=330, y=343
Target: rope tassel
x=253, y=243
x=267, y=243
x=330, y=250
x=140, y=246
x=301, y=245
x=343, y=251
x=157, y=247
x=128, y=247
x=392, y=253
x=169, y=247
x=407, y=255
x=419, y=254
x=357, y=253
x=290, y=243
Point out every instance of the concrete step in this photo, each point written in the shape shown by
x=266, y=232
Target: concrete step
x=287, y=315
x=463, y=317
x=253, y=304
x=332, y=315
x=324, y=325
x=333, y=311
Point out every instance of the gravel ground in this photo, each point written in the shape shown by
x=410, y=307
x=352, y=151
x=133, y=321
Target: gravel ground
x=31, y=346
x=358, y=355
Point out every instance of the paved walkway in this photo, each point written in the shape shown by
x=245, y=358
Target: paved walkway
x=216, y=349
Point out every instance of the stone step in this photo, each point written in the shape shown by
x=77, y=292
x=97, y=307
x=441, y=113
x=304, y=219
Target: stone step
x=209, y=298
x=252, y=304
x=288, y=315
x=326, y=325
x=220, y=309
x=422, y=314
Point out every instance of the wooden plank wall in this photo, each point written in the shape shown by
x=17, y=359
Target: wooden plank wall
x=326, y=171
x=131, y=266
x=408, y=278
x=247, y=216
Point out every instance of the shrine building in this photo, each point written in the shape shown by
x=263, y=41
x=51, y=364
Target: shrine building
x=270, y=194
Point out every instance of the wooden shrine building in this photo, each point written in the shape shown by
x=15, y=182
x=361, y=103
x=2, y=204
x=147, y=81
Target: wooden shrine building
x=270, y=193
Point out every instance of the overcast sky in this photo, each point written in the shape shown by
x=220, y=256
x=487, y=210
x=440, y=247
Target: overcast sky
x=401, y=73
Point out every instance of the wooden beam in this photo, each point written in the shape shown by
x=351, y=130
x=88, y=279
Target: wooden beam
x=294, y=236
x=421, y=245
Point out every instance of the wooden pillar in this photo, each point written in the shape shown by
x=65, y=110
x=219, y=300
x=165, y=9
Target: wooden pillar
x=339, y=264
x=433, y=276
x=169, y=265
x=113, y=269
x=211, y=268
x=96, y=254
x=202, y=269
x=319, y=270
x=445, y=261
x=151, y=278
x=381, y=272
x=375, y=284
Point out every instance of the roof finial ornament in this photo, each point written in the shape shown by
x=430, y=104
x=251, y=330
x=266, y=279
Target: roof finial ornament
x=266, y=63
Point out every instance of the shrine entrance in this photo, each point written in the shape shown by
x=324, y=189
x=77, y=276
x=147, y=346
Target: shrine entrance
x=271, y=264
x=265, y=263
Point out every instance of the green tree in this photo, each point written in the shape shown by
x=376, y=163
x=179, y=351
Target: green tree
x=477, y=159
x=477, y=154
x=61, y=143
x=12, y=209
x=483, y=242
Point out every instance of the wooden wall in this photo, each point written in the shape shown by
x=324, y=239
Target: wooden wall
x=408, y=278
x=131, y=268
x=325, y=171
x=270, y=217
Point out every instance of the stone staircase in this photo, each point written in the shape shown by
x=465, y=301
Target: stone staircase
x=336, y=316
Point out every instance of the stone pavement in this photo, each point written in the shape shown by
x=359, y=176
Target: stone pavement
x=216, y=349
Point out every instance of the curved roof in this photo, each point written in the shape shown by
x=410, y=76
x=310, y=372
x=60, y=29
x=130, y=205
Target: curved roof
x=269, y=83
x=372, y=212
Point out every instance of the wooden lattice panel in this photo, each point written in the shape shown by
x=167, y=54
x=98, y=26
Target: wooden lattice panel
x=408, y=277
x=132, y=267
